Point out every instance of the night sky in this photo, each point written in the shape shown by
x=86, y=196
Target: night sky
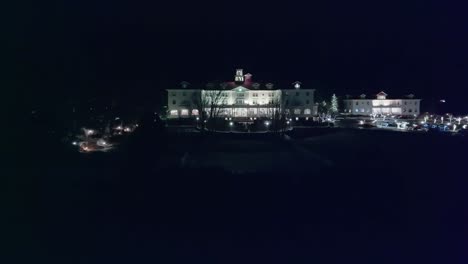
x=135, y=49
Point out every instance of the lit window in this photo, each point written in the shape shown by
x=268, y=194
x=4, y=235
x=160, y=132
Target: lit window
x=356, y=110
x=174, y=112
x=297, y=111
x=184, y=112
x=195, y=112
x=362, y=110
x=307, y=112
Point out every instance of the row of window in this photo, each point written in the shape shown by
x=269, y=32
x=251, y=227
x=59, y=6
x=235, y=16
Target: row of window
x=270, y=94
x=241, y=101
x=194, y=112
x=369, y=110
x=398, y=103
x=287, y=102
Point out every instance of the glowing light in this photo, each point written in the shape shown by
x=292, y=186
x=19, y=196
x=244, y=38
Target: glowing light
x=197, y=118
x=307, y=118
x=226, y=118
x=422, y=122
x=287, y=122
x=75, y=143
x=297, y=118
x=231, y=123
x=464, y=126
x=442, y=101
x=127, y=129
x=255, y=118
x=361, y=122
x=267, y=123
x=117, y=118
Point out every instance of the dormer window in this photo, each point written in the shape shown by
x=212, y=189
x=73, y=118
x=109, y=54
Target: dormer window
x=382, y=96
x=297, y=84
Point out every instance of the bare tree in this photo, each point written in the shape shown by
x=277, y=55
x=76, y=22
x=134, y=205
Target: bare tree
x=278, y=115
x=209, y=103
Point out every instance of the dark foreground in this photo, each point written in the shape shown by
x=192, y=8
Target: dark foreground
x=345, y=197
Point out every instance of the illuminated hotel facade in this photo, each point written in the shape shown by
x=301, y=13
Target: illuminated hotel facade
x=408, y=106
x=241, y=99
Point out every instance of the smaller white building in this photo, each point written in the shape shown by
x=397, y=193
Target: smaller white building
x=382, y=105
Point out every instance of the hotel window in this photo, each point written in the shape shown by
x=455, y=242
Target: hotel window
x=174, y=102
x=405, y=103
x=357, y=103
x=184, y=112
x=307, y=93
x=254, y=102
x=307, y=111
x=173, y=94
x=368, y=103
x=410, y=110
x=184, y=94
x=287, y=102
x=255, y=95
x=195, y=112
x=263, y=94
x=174, y=112
x=270, y=94
x=356, y=110
x=297, y=111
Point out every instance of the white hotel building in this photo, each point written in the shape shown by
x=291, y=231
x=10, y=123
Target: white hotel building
x=242, y=99
x=381, y=105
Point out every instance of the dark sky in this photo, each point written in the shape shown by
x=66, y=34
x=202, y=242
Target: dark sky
x=74, y=49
